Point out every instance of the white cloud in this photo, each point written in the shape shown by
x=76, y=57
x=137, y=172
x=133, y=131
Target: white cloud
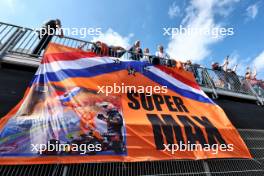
x=174, y=10
x=252, y=11
x=224, y=10
x=11, y=8
x=113, y=38
x=200, y=14
x=11, y=5
x=258, y=62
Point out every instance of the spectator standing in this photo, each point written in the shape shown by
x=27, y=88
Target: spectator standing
x=45, y=35
x=235, y=69
x=254, y=74
x=146, y=56
x=225, y=65
x=188, y=66
x=136, y=51
x=162, y=55
x=248, y=74
x=216, y=67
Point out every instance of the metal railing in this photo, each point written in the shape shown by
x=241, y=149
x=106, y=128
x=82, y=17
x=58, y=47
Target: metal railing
x=16, y=40
x=228, y=81
x=23, y=41
x=254, y=140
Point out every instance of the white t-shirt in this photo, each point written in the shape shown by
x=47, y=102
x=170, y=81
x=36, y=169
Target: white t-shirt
x=145, y=58
x=162, y=55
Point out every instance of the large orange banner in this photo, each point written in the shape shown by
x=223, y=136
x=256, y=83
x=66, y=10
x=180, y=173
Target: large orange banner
x=81, y=107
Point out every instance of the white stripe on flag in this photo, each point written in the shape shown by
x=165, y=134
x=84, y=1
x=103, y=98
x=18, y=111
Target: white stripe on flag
x=175, y=82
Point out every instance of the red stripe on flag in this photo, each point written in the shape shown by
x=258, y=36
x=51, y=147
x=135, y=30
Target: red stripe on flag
x=179, y=77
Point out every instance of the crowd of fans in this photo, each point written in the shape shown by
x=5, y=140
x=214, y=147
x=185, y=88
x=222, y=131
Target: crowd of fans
x=228, y=78
x=135, y=52
x=224, y=77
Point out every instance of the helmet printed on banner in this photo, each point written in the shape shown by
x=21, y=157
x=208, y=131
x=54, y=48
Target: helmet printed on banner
x=66, y=97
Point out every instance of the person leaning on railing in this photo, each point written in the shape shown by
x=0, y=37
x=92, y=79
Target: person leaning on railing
x=248, y=74
x=194, y=68
x=227, y=77
x=162, y=55
x=45, y=35
x=251, y=80
x=135, y=51
x=116, y=51
x=251, y=77
x=232, y=79
x=216, y=66
x=146, y=56
x=100, y=48
x=218, y=70
x=188, y=66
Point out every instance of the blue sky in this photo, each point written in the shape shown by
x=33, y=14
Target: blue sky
x=123, y=22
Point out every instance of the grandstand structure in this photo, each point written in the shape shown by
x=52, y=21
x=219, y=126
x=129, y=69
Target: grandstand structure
x=241, y=99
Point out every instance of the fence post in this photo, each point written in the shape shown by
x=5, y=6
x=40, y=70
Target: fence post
x=65, y=170
x=206, y=168
x=21, y=33
x=210, y=81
